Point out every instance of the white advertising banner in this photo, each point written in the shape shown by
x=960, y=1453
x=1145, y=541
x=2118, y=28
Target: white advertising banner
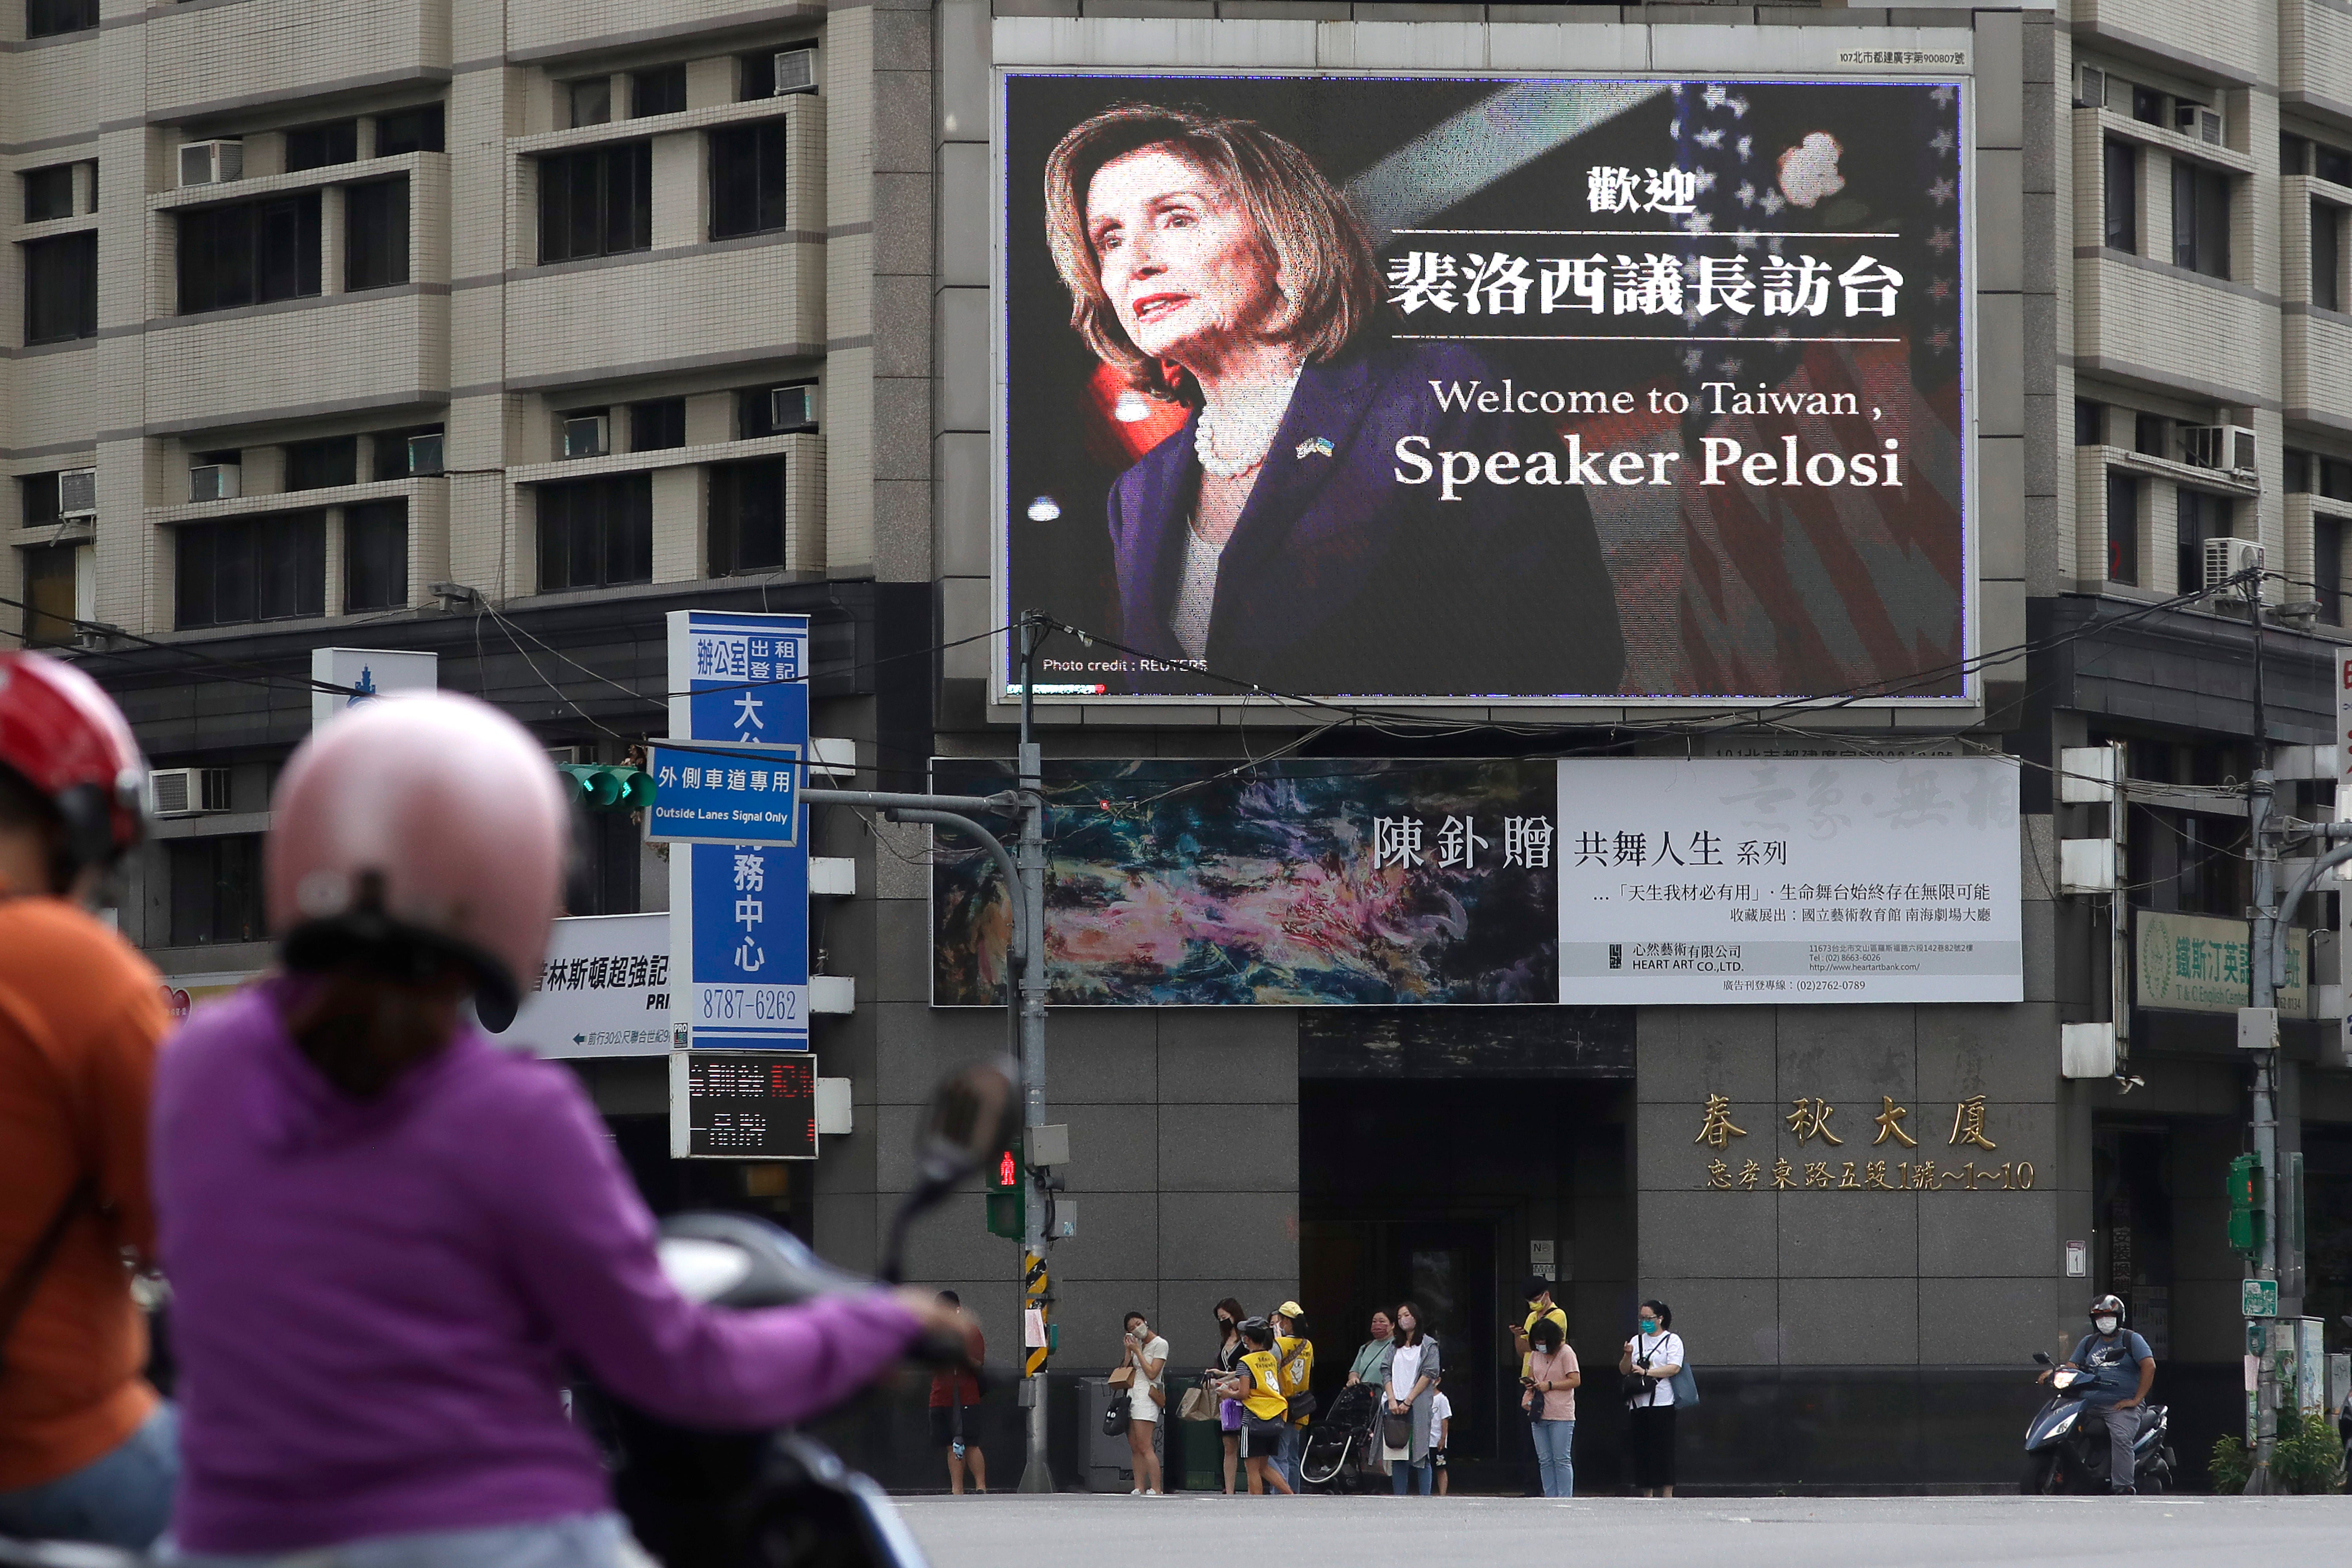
x=603, y=992
x=1789, y=880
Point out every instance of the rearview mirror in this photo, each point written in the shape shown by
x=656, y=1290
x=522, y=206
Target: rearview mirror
x=971, y=1117
x=2042, y=1356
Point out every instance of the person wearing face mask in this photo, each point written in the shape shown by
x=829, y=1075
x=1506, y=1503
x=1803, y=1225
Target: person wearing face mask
x=1298, y=1354
x=1652, y=1358
x=1372, y=1366
x=2109, y=1354
x=1413, y=1372
x=1230, y=1351
x=1147, y=1353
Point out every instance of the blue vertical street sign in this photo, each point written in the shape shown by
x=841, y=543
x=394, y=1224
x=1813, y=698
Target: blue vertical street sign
x=739, y=912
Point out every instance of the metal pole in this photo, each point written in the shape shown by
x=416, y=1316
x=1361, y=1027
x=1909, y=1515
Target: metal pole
x=2262, y=992
x=1037, y=1475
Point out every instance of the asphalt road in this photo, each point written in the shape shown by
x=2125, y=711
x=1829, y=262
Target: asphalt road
x=1203, y=1531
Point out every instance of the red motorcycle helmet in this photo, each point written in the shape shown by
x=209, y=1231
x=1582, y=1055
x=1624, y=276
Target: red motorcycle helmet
x=64, y=737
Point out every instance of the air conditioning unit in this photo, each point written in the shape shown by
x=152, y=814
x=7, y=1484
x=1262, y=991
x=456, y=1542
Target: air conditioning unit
x=215, y=481
x=2091, y=91
x=78, y=493
x=188, y=792
x=2224, y=448
x=795, y=71
x=2196, y=119
x=211, y=162
x=792, y=408
x=589, y=435
x=2227, y=558
x=425, y=454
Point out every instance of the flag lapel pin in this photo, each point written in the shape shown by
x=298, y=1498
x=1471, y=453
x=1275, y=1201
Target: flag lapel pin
x=1314, y=446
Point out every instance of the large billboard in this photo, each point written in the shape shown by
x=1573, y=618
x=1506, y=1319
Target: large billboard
x=1314, y=882
x=1418, y=387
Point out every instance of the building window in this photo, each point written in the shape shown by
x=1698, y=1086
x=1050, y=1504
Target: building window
x=2328, y=567
x=48, y=193
x=62, y=289
x=417, y=130
x=775, y=410
x=375, y=235
x=2201, y=218
x=250, y=253
x=596, y=202
x=2123, y=528
x=2200, y=516
x=252, y=569
x=768, y=72
x=2326, y=255
x=375, y=556
x=747, y=517
x=657, y=425
x=2123, y=198
x=320, y=465
x=215, y=889
x=596, y=532
x=38, y=494
x=2090, y=422
x=408, y=454
x=49, y=594
x=2149, y=431
x=2146, y=105
x=592, y=102
x=747, y=180
x=317, y=146
x=661, y=91
x=48, y=18
x=2333, y=164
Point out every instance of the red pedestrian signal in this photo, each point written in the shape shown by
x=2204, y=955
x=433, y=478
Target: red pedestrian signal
x=1007, y=1173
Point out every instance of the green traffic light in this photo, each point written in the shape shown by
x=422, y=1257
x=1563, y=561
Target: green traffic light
x=614, y=788
x=638, y=790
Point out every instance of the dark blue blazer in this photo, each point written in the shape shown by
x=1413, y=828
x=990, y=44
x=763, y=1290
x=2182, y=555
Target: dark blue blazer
x=1342, y=580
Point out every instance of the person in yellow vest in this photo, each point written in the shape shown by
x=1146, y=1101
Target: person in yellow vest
x=1257, y=1383
x=1540, y=1308
x=1296, y=1355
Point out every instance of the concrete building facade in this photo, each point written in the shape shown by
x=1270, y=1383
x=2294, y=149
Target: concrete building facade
x=518, y=324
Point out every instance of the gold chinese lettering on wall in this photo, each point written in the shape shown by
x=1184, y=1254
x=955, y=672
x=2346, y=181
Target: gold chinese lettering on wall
x=1808, y=1121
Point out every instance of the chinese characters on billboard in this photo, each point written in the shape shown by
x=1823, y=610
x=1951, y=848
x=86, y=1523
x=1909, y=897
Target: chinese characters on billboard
x=1611, y=882
x=1465, y=387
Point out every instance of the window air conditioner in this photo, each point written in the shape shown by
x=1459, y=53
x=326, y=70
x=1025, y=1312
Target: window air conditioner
x=215, y=481
x=589, y=435
x=795, y=71
x=2225, y=448
x=78, y=493
x=2092, y=93
x=2226, y=558
x=188, y=792
x=792, y=408
x=425, y=454
x=2196, y=119
x=211, y=162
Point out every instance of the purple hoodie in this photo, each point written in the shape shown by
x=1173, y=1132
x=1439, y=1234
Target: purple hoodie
x=373, y=1302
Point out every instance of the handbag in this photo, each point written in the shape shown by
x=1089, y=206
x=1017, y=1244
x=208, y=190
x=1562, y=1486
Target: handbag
x=1685, y=1386
x=1198, y=1405
x=1124, y=1378
x=1114, y=1418
x=1396, y=1428
x=1302, y=1404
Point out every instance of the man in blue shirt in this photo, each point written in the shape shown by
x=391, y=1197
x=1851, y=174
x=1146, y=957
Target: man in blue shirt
x=2108, y=1353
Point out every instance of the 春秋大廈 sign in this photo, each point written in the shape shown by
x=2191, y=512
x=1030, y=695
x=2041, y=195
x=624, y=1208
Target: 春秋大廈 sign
x=1789, y=880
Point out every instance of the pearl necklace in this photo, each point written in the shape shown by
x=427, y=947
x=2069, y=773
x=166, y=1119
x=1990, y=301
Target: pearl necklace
x=1249, y=424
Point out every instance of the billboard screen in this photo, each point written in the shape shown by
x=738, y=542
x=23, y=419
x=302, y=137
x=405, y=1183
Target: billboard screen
x=1454, y=386
x=1313, y=882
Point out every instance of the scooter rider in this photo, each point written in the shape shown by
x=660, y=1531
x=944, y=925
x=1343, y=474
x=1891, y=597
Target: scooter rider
x=386, y=1237
x=2107, y=1353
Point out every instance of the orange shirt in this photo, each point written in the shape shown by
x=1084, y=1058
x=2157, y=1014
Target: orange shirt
x=81, y=1016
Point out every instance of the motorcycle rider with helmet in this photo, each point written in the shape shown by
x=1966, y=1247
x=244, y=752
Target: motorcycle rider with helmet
x=87, y=1449
x=2108, y=1353
x=387, y=1235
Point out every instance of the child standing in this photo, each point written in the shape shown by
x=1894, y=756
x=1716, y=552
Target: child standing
x=1440, y=1421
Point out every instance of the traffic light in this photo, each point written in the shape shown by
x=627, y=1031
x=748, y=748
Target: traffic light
x=608, y=787
x=2247, y=1215
x=1008, y=1195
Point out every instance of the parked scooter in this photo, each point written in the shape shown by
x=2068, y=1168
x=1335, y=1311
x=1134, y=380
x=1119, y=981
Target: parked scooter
x=761, y=1499
x=2066, y=1453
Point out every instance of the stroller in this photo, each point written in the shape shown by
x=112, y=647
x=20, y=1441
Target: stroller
x=1339, y=1446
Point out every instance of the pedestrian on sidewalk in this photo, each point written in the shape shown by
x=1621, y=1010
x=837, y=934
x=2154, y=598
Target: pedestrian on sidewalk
x=1441, y=1428
x=1372, y=1366
x=1298, y=1359
x=1550, y=1381
x=1259, y=1388
x=1230, y=1351
x=1647, y=1369
x=1413, y=1372
x=1540, y=1306
x=955, y=1401
x=1146, y=1360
